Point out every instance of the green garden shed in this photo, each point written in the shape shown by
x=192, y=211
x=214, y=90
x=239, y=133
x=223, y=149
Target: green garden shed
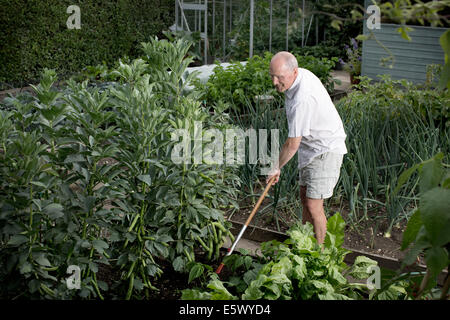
x=410, y=57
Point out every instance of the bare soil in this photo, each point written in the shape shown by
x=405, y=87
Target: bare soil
x=369, y=235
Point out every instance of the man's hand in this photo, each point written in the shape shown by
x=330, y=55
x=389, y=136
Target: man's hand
x=274, y=173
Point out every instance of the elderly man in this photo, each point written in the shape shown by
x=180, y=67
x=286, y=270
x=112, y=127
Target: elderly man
x=316, y=133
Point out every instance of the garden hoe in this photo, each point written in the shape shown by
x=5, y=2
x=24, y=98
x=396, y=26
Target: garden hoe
x=261, y=198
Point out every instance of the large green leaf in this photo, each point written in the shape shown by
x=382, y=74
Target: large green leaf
x=254, y=292
x=219, y=291
x=42, y=260
x=445, y=76
x=89, y=203
x=335, y=276
x=420, y=243
x=178, y=264
x=195, y=272
x=412, y=228
x=299, y=270
x=146, y=178
x=99, y=245
x=193, y=294
x=25, y=267
x=436, y=259
x=435, y=213
x=54, y=210
x=336, y=227
x=322, y=286
x=283, y=266
x=360, y=268
x=302, y=236
x=431, y=173
x=17, y=239
x=394, y=292
x=333, y=296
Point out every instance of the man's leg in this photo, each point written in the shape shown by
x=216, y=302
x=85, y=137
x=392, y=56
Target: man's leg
x=314, y=213
x=317, y=215
x=320, y=178
x=306, y=216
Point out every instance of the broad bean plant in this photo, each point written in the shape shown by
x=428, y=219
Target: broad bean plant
x=87, y=180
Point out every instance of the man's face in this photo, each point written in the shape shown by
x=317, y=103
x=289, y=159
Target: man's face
x=282, y=77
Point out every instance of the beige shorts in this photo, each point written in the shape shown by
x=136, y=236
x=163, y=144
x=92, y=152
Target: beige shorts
x=321, y=175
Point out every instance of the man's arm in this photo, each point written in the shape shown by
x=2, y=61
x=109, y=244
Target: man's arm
x=288, y=150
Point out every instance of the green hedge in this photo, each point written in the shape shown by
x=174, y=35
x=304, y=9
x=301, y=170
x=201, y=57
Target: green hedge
x=35, y=35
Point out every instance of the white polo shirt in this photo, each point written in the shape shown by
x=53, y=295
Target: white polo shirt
x=312, y=115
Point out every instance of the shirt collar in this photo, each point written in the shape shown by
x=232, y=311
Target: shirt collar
x=291, y=91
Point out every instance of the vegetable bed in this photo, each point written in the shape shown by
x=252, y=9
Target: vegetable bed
x=101, y=197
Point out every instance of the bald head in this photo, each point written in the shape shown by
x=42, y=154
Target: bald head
x=285, y=59
x=283, y=70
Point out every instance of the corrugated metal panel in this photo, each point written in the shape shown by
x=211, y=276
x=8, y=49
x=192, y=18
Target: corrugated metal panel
x=411, y=57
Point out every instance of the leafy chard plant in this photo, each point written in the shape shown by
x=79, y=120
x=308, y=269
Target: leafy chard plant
x=298, y=268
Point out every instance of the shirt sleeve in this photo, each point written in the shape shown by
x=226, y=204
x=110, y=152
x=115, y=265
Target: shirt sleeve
x=299, y=119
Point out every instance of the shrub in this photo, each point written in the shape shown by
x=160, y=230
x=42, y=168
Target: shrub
x=326, y=49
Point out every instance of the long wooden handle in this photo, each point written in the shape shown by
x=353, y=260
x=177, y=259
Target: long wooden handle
x=260, y=200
